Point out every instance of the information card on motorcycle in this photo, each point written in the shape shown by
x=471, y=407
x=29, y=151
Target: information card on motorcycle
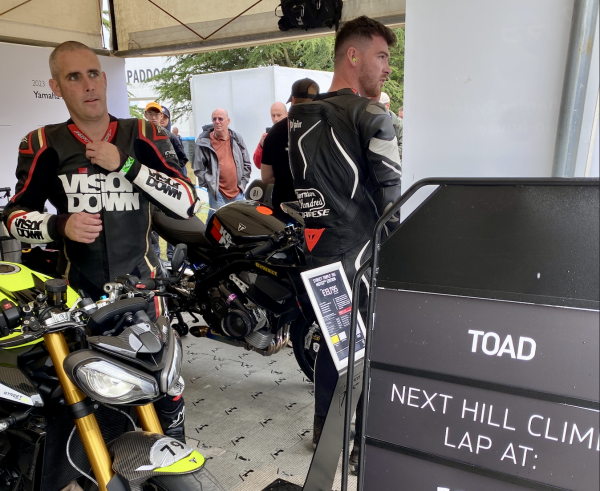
x=331, y=298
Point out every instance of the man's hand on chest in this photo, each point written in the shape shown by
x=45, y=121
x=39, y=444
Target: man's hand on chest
x=104, y=154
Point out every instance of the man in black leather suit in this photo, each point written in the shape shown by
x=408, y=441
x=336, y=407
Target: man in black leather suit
x=101, y=174
x=346, y=168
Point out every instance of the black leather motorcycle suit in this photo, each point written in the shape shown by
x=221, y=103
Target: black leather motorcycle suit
x=346, y=167
x=52, y=166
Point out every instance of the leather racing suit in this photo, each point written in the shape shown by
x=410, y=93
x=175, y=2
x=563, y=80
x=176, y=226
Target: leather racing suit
x=52, y=166
x=346, y=167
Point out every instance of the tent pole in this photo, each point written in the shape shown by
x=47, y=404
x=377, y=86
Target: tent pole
x=114, y=41
x=579, y=58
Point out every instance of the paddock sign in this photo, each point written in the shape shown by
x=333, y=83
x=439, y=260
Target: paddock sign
x=473, y=394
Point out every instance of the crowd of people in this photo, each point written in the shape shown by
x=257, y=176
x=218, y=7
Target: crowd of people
x=338, y=153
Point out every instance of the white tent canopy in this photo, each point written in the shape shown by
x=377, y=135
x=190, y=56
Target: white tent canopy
x=161, y=27
x=51, y=22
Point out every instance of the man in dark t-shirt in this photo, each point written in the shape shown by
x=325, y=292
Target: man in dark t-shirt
x=277, y=170
x=275, y=160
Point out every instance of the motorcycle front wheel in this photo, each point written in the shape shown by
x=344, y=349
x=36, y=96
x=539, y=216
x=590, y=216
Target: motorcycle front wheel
x=198, y=481
x=301, y=337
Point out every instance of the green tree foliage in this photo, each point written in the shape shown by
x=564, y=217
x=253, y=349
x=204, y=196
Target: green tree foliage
x=173, y=83
x=395, y=84
x=136, y=112
x=106, y=20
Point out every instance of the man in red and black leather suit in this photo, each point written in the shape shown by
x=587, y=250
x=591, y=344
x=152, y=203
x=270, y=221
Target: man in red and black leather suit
x=101, y=174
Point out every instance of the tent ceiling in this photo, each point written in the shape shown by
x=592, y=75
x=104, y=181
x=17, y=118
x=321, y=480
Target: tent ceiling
x=154, y=27
x=143, y=28
x=50, y=22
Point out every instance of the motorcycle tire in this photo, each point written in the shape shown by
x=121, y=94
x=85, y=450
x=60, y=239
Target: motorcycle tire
x=198, y=481
x=305, y=357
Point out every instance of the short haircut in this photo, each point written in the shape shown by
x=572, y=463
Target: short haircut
x=64, y=48
x=313, y=89
x=358, y=31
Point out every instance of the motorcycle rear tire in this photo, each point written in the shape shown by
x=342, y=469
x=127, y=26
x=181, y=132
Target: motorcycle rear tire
x=202, y=480
x=305, y=357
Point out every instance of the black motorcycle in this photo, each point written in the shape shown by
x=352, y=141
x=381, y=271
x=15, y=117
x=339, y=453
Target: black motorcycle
x=245, y=279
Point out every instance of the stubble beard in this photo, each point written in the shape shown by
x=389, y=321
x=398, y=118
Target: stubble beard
x=370, y=85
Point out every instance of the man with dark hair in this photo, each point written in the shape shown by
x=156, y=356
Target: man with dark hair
x=346, y=168
x=101, y=174
x=275, y=159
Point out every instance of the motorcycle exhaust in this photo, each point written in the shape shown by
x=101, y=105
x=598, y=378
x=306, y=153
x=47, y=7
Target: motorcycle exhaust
x=277, y=343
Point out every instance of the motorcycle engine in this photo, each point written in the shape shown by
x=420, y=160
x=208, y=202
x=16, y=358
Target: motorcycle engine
x=240, y=318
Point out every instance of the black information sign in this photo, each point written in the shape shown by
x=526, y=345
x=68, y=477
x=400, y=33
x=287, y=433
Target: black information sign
x=536, y=440
x=390, y=471
x=505, y=388
x=331, y=298
x=547, y=349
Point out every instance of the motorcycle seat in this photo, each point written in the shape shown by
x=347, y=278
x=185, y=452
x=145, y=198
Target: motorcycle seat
x=190, y=231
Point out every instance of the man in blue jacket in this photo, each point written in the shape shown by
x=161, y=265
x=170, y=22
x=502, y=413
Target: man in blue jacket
x=221, y=162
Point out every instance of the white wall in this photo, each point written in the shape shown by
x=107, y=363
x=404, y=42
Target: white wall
x=25, y=73
x=247, y=95
x=483, y=83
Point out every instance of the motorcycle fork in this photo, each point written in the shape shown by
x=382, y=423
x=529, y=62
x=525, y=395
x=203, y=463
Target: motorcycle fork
x=149, y=419
x=87, y=426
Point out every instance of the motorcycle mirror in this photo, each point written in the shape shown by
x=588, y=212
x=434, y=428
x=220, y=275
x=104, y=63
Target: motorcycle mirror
x=179, y=257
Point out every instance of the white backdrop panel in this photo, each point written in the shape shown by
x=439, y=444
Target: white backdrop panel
x=247, y=95
x=24, y=106
x=483, y=84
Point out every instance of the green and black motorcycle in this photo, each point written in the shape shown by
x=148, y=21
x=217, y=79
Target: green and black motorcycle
x=76, y=379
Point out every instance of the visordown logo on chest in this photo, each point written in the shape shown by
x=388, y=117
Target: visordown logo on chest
x=96, y=192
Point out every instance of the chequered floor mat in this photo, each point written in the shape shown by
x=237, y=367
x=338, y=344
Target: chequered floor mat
x=250, y=416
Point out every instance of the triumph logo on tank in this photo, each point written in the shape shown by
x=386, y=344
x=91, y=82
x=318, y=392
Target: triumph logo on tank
x=162, y=183
x=96, y=192
x=312, y=203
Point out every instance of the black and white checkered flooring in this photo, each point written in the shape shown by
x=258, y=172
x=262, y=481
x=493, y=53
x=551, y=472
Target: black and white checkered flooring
x=250, y=416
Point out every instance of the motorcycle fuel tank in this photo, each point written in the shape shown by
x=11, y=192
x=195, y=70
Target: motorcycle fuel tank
x=243, y=222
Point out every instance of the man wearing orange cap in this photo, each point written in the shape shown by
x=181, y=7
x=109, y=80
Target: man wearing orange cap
x=155, y=113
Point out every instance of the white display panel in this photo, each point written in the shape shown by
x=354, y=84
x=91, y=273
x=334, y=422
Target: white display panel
x=331, y=298
x=483, y=87
x=27, y=103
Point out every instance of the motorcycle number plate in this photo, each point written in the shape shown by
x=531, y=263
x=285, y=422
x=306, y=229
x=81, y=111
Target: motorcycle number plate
x=167, y=451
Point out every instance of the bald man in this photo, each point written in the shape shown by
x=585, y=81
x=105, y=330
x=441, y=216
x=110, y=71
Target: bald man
x=221, y=162
x=278, y=112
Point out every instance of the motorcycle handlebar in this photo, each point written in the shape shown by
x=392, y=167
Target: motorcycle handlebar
x=264, y=247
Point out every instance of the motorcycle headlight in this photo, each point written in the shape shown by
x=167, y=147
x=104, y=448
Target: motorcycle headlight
x=113, y=383
x=172, y=370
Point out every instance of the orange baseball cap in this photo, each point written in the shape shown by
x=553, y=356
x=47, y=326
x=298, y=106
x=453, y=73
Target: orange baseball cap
x=154, y=105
